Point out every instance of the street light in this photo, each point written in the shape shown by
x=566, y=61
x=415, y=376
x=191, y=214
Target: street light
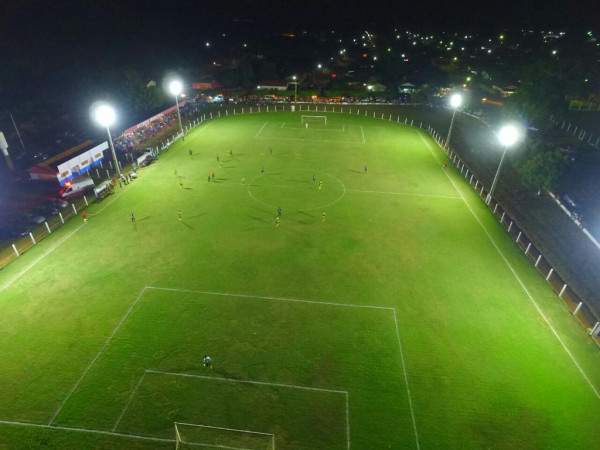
x=455, y=102
x=176, y=87
x=105, y=116
x=508, y=135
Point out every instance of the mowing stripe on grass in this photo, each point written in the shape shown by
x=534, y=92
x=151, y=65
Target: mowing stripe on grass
x=86, y=430
x=363, y=134
x=91, y=363
x=535, y=304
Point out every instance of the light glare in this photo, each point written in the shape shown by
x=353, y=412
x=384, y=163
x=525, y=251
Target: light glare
x=105, y=115
x=175, y=87
x=455, y=100
x=508, y=135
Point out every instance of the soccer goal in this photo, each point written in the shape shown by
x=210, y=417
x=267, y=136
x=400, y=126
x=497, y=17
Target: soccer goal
x=306, y=119
x=195, y=436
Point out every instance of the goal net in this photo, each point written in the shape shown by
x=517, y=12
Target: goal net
x=306, y=119
x=188, y=436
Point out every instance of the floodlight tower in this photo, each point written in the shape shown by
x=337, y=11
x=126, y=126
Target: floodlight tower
x=105, y=116
x=455, y=102
x=508, y=135
x=295, y=89
x=176, y=87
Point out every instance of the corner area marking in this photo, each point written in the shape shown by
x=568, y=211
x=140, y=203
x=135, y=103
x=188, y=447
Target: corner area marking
x=535, y=304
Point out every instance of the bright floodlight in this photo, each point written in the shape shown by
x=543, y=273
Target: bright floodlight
x=175, y=87
x=105, y=115
x=456, y=100
x=508, y=135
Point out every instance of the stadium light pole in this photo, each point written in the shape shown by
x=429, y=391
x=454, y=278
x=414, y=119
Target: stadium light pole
x=176, y=87
x=105, y=116
x=295, y=89
x=508, y=135
x=455, y=102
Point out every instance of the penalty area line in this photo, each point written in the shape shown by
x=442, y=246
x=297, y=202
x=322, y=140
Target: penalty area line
x=520, y=282
x=86, y=430
x=281, y=299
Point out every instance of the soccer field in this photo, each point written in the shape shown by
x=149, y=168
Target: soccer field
x=403, y=317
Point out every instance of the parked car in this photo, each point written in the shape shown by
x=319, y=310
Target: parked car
x=46, y=209
x=32, y=218
x=58, y=203
x=11, y=231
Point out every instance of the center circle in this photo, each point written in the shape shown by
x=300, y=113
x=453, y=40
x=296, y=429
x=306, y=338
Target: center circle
x=296, y=189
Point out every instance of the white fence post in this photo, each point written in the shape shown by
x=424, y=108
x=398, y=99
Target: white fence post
x=577, y=308
x=85, y=200
x=596, y=329
x=538, y=260
x=32, y=238
x=550, y=273
x=518, y=237
x=15, y=249
x=562, y=291
x=495, y=208
x=74, y=209
x=510, y=226
x=528, y=247
x=61, y=217
x=47, y=227
x=502, y=218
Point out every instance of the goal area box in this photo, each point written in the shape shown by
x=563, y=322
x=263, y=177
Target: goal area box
x=307, y=118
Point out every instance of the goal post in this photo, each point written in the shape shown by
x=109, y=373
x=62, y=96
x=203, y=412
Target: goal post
x=305, y=119
x=188, y=436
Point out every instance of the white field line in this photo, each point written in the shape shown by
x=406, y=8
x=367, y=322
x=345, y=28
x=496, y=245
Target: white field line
x=137, y=386
x=535, y=304
x=332, y=130
x=91, y=363
x=404, y=193
x=225, y=447
x=234, y=380
x=54, y=247
x=261, y=128
x=221, y=428
x=198, y=132
x=85, y=430
x=412, y=413
x=314, y=140
x=259, y=297
x=262, y=383
x=363, y=134
x=348, y=419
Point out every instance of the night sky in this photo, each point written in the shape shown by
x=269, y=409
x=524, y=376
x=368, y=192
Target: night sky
x=47, y=47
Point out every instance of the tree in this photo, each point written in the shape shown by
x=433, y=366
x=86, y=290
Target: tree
x=542, y=166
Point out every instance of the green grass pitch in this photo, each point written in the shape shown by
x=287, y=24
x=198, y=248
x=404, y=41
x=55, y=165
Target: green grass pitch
x=406, y=319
